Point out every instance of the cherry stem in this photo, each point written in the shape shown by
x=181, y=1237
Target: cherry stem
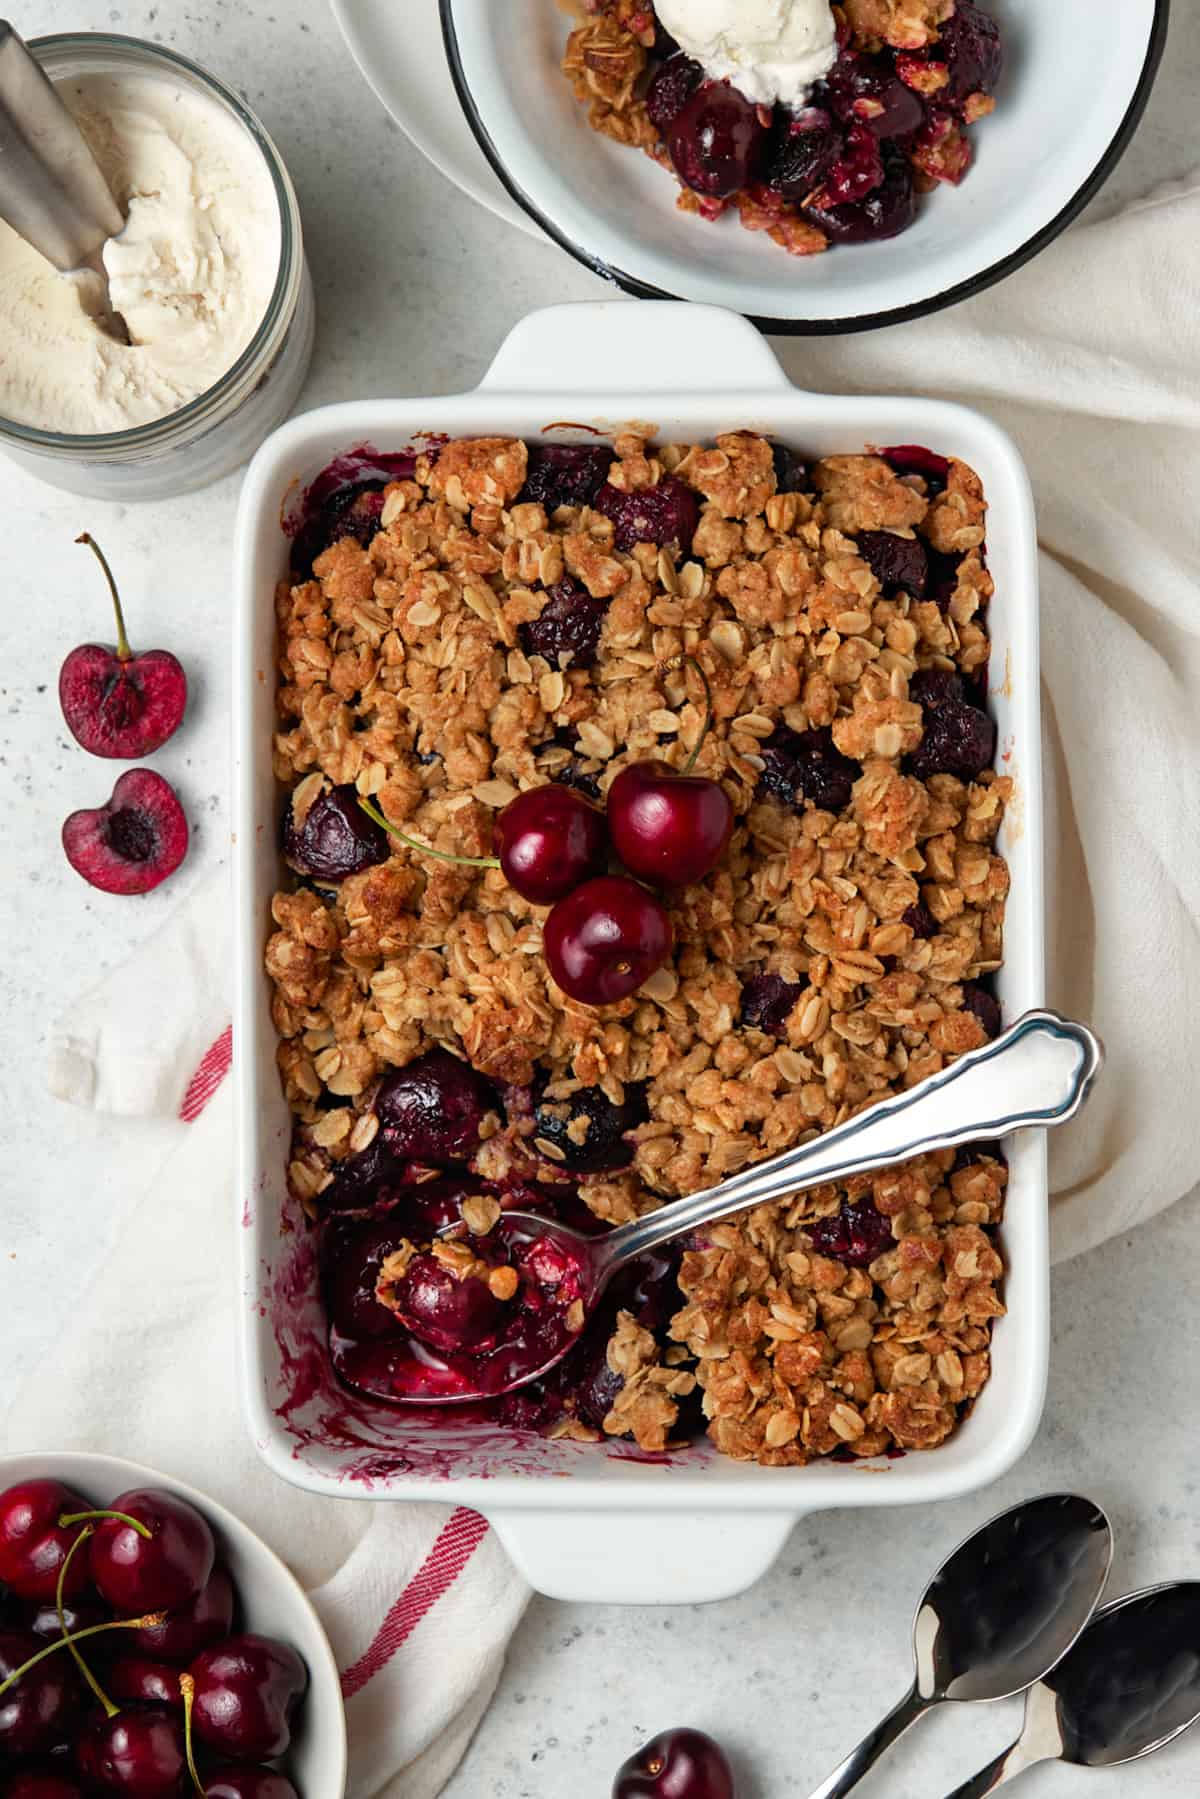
x=187, y=1687
x=110, y=1710
x=124, y=653
x=665, y=668
x=70, y=1518
x=151, y=1621
x=425, y=849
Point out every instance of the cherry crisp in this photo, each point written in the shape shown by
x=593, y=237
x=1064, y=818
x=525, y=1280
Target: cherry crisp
x=466, y=624
x=889, y=122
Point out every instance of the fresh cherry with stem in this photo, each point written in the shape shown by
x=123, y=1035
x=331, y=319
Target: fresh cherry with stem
x=246, y=1691
x=151, y=1551
x=666, y=825
x=549, y=840
x=677, y=1764
x=240, y=1782
x=117, y=704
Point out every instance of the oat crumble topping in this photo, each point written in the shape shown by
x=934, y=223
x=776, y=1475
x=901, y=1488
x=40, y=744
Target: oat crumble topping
x=874, y=914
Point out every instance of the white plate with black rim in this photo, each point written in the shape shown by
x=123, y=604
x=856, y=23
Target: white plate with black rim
x=1073, y=91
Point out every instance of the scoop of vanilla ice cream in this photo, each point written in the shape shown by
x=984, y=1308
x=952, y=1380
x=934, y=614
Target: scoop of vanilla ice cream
x=769, y=49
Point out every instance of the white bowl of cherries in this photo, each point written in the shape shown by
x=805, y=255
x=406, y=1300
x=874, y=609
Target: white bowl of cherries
x=152, y=1647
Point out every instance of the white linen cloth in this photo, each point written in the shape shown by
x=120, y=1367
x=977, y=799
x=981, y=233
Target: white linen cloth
x=1091, y=358
x=418, y=1602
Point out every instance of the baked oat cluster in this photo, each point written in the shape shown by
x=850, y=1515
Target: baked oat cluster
x=888, y=123
x=502, y=617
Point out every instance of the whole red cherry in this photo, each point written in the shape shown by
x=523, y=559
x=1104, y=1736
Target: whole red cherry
x=605, y=940
x=678, y=1764
x=247, y=1690
x=666, y=826
x=33, y=1545
x=115, y=703
x=38, y=1710
x=159, y=1572
x=550, y=840
x=194, y=1627
x=137, y=1754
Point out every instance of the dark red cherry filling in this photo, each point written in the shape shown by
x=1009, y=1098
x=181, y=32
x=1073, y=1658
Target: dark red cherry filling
x=565, y=474
x=444, y=1310
x=336, y=838
x=666, y=514
x=673, y=85
x=958, y=739
x=895, y=562
x=433, y=1109
x=767, y=1002
x=590, y=1133
x=567, y=630
x=866, y=90
x=718, y=140
x=345, y=500
x=805, y=147
x=882, y=211
x=806, y=766
x=855, y=1235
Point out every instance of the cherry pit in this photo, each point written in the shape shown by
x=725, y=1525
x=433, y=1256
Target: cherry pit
x=122, y=1670
x=606, y=933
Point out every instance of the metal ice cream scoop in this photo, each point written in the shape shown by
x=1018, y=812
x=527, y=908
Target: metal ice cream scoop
x=52, y=190
x=999, y=1614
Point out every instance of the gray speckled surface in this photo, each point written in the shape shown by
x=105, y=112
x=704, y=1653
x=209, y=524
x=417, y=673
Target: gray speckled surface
x=416, y=287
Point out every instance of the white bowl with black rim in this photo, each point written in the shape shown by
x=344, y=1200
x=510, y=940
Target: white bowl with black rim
x=1076, y=82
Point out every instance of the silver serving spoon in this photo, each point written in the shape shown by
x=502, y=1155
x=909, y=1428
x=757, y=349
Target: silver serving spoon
x=998, y=1615
x=1130, y=1686
x=1038, y=1073
x=52, y=190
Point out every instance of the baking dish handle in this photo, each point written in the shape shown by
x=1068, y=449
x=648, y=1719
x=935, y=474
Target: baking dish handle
x=642, y=1558
x=635, y=346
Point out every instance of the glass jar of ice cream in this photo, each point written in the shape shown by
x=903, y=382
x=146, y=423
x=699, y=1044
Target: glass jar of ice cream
x=209, y=273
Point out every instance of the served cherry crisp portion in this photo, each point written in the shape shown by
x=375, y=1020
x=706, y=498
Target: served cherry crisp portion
x=807, y=642
x=889, y=122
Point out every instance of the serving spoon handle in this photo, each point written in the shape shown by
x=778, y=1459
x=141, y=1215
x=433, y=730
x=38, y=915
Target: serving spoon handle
x=1038, y=1072
x=861, y=1760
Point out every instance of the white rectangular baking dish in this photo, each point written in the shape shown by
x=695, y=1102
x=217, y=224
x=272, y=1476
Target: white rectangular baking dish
x=600, y=1522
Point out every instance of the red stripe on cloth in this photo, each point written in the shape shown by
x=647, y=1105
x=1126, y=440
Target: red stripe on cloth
x=214, y=1066
x=450, y=1554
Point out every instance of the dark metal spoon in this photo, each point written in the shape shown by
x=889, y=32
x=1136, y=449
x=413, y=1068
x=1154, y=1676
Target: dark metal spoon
x=997, y=1616
x=1129, y=1686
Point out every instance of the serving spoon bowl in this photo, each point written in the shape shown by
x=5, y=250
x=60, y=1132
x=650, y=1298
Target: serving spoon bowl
x=1001, y=1612
x=1129, y=1686
x=1038, y=1073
